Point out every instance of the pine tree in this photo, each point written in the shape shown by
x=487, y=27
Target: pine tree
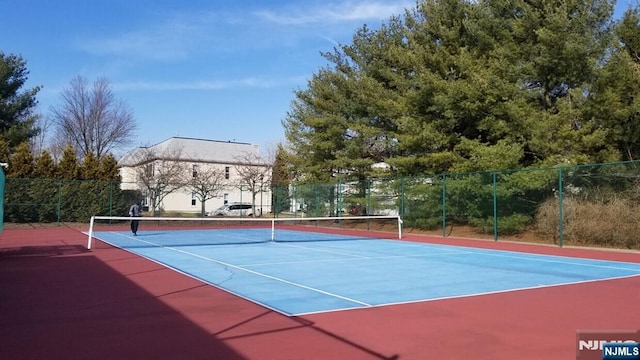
x=614, y=97
x=90, y=167
x=21, y=163
x=68, y=167
x=71, y=195
x=45, y=167
x=17, y=121
x=45, y=188
x=18, y=187
x=450, y=80
x=280, y=180
x=109, y=169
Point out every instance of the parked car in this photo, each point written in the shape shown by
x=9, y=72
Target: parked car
x=235, y=209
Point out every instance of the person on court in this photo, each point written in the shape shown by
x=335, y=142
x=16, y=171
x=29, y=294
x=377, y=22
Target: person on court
x=134, y=211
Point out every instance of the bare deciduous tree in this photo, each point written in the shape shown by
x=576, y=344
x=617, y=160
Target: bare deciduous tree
x=205, y=183
x=158, y=172
x=39, y=141
x=254, y=175
x=92, y=119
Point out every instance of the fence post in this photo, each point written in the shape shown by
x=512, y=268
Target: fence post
x=275, y=205
x=339, y=199
x=241, y=199
x=561, y=206
x=59, y=201
x=495, y=207
x=444, y=205
x=295, y=198
x=111, y=198
x=401, y=197
x=368, y=208
x=315, y=201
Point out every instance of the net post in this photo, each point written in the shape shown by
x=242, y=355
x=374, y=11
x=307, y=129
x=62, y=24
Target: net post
x=399, y=227
x=90, y=233
x=273, y=230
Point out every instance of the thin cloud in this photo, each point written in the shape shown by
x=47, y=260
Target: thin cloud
x=334, y=13
x=174, y=38
x=249, y=82
x=332, y=41
x=179, y=36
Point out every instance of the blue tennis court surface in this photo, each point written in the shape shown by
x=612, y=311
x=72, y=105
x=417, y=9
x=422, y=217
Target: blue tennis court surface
x=297, y=278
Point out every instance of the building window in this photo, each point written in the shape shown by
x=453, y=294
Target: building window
x=148, y=170
x=227, y=169
x=195, y=170
x=193, y=199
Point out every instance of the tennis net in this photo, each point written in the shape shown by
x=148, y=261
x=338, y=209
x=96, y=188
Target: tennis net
x=182, y=231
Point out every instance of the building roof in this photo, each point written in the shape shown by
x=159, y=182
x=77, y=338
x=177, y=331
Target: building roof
x=196, y=150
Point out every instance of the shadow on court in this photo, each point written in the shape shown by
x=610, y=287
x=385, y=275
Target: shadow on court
x=299, y=323
x=60, y=302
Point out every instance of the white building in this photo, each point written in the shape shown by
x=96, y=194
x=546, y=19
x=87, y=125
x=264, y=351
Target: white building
x=166, y=169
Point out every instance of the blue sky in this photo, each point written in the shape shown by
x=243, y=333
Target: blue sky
x=221, y=70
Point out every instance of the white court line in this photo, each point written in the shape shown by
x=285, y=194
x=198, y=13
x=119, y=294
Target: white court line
x=247, y=240
x=348, y=259
x=454, y=251
x=525, y=256
x=320, y=250
x=502, y=253
x=467, y=295
x=246, y=270
x=287, y=244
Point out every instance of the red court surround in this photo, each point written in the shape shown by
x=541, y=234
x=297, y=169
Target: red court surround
x=59, y=301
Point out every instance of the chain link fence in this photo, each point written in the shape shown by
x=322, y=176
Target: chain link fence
x=51, y=200
x=579, y=205
x=595, y=204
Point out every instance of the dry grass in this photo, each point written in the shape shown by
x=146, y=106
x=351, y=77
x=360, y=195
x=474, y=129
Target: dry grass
x=612, y=223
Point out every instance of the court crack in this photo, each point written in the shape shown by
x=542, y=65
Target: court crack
x=232, y=274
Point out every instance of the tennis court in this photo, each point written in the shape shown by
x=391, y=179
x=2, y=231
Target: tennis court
x=62, y=301
x=304, y=272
